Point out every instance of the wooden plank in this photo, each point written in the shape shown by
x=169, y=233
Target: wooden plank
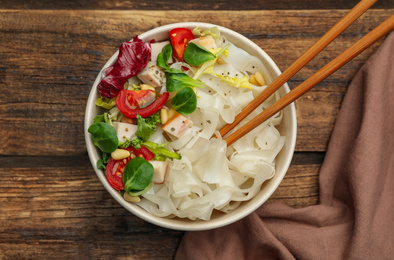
x=64, y=210
x=51, y=58
x=188, y=5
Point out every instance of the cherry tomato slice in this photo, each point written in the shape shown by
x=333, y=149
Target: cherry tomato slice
x=115, y=168
x=114, y=172
x=140, y=98
x=123, y=103
x=180, y=37
x=143, y=151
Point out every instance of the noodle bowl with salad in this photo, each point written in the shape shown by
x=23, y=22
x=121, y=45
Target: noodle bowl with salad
x=153, y=120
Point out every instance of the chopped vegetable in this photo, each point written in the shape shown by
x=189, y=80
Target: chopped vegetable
x=137, y=175
x=177, y=79
x=104, y=136
x=179, y=39
x=164, y=56
x=122, y=102
x=133, y=57
x=196, y=55
x=106, y=102
x=185, y=101
x=235, y=82
x=142, y=152
x=101, y=163
x=147, y=125
x=160, y=151
x=207, y=67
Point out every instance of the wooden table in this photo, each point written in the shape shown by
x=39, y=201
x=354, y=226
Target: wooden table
x=52, y=205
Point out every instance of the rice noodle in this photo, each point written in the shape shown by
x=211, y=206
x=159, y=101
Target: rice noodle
x=211, y=176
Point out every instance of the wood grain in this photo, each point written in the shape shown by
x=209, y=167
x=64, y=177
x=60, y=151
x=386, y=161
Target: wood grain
x=188, y=5
x=67, y=208
x=47, y=72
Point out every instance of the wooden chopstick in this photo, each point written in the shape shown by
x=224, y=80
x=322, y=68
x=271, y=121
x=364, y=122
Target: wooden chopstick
x=326, y=39
x=312, y=81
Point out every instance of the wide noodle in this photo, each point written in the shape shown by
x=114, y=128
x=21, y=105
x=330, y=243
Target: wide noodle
x=211, y=176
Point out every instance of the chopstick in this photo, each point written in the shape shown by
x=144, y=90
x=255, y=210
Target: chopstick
x=312, y=81
x=326, y=39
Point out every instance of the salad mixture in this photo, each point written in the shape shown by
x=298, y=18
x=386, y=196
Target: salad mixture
x=163, y=104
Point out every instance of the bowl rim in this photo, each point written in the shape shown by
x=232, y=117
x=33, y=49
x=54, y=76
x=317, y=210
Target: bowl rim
x=186, y=224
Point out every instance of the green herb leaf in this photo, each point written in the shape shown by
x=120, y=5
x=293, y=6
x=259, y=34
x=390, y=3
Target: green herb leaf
x=164, y=56
x=106, y=102
x=207, y=67
x=138, y=193
x=185, y=101
x=161, y=152
x=136, y=143
x=137, y=175
x=177, y=80
x=102, y=163
x=147, y=126
x=99, y=118
x=104, y=136
x=196, y=55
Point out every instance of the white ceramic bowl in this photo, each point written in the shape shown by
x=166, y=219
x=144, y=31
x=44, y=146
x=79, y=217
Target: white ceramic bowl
x=287, y=128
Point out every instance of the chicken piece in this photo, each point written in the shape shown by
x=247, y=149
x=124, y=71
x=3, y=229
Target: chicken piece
x=160, y=168
x=151, y=75
x=125, y=131
x=208, y=42
x=177, y=125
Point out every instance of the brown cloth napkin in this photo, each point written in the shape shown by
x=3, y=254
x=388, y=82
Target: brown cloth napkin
x=355, y=217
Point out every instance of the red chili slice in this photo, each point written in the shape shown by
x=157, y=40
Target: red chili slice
x=123, y=104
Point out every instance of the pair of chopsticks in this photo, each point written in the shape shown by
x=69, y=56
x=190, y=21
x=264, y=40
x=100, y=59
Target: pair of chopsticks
x=316, y=78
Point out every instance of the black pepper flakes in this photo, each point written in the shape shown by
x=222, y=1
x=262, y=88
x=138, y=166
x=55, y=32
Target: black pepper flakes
x=172, y=129
x=209, y=121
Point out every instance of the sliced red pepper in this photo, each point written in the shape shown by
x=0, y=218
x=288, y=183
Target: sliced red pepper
x=125, y=108
x=180, y=37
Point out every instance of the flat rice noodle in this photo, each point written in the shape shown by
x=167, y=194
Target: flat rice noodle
x=214, y=160
x=218, y=198
x=268, y=137
x=211, y=176
x=210, y=122
x=197, y=151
